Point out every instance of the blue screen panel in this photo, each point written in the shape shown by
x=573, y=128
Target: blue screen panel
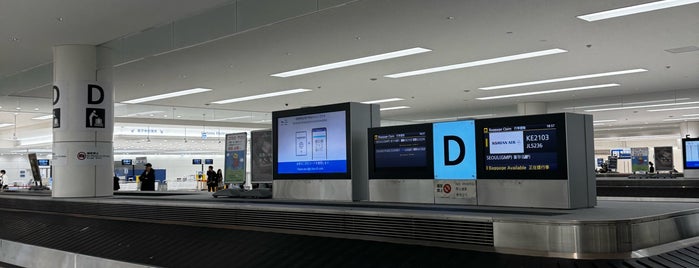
x=454, y=150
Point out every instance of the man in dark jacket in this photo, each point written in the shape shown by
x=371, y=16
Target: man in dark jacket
x=148, y=178
x=211, y=179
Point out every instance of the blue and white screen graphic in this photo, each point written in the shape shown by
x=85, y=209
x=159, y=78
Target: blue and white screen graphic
x=454, y=150
x=691, y=154
x=314, y=143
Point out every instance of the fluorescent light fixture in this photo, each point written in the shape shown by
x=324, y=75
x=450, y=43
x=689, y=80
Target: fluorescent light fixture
x=6, y=124
x=674, y=109
x=382, y=101
x=628, y=103
x=681, y=119
x=394, y=108
x=642, y=106
x=453, y=118
x=604, y=121
x=547, y=91
x=168, y=95
x=690, y=115
x=635, y=9
x=479, y=63
x=341, y=64
x=141, y=113
x=266, y=95
x=233, y=118
x=43, y=117
x=562, y=79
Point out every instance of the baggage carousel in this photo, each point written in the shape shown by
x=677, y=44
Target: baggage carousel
x=614, y=231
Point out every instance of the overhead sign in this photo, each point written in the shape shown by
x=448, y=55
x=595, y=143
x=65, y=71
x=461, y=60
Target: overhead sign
x=454, y=150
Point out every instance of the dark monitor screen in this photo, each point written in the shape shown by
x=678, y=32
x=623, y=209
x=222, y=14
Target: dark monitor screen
x=126, y=162
x=196, y=161
x=208, y=161
x=690, y=155
x=312, y=142
x=522, y=147
x=261, y=154
x=43, y=162
x=401, y=152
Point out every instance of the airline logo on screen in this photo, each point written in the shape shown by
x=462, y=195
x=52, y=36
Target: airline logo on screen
x=454, y=150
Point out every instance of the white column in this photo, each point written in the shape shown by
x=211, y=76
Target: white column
x=527, y=108
x=83, y=102
x=689, y=128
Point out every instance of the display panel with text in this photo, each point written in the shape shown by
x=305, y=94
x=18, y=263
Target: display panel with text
x=401, y=152
x=690, y=149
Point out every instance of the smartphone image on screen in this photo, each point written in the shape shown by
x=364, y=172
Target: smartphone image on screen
x=320, y=150
x=301, y=139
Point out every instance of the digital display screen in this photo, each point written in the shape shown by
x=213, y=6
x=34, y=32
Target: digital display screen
x=311, y=141
x=261, y=154
x=126, y=162
x=690, y=147
x=196, y=161
x=43, y=162
x=208, y=161
x=524, y=147
x=401, y=152
x=455, y=150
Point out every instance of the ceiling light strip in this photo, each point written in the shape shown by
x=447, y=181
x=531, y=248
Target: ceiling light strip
x=674, y=109
x=604, y=121
x=625, y=11
x=547, y=91
x=394, y=108
x=562, y=79
x=478, y=63
x=168, y=95
x=43, y=117
x=347, y=63
x=621, y=103
x=681, y=119
x=382, y=101
x=261, y=96
x=641, y=106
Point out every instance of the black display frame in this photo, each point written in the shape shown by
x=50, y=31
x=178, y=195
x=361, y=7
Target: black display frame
x=41, y=162
x=684, y=153
x=208, y=161
x=126, y=162
x=402, y=172
x=196, y=162
x=254, y=167
x=559, y=119
x=340, y=107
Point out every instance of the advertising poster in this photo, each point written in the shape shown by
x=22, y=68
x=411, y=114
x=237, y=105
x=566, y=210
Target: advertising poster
x=236, y=146
x=663, y=158
x=639, y=159
x=261, y=154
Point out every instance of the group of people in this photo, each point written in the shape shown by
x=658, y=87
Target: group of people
x=213, y=178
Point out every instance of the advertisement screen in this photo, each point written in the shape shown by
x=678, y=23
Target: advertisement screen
x=261, y=156
x=196, y=161
x=690, y=147
x=455, y=150
x=126, y=162
x=311, y=141
x=525, y=147
x=208, y=161
x=43, y=162
x=400, y=152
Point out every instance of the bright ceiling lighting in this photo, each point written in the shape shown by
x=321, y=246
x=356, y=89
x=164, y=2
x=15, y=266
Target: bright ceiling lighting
x=382, y=101
x=453, y=118
x=6, y=124
x=479, y=63
x=168, y=95
x=604, y=121
x=43, y=117
x=628, y=103
x=562, y=79
x=674, y=109
x=261, y=96
x=635, y=9
x=547, y=91
x=641, y=106
x=681, y=119
x=341, y=64
x=394, y=108
x=690, y=115
x=141, y=113
x=233, y=118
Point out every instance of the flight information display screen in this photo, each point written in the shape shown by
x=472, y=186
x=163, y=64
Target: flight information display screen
x=527, y=147
x=401, y=152
x=690, y=147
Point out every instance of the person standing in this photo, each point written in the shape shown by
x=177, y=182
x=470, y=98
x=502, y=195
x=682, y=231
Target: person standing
x=2, y=179
x=211, y=179
x=148, y=178
x=219, y=178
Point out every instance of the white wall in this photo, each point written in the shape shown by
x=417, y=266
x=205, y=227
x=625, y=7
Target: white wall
x=177, y=166
x=12, y=164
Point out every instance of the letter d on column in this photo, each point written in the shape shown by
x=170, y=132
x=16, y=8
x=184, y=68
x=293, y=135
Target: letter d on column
x=90, y=99
x=462, y=150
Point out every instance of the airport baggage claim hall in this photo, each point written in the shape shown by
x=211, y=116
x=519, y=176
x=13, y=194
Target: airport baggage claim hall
x=349, y=133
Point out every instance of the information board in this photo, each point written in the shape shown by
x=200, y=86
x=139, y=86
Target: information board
x=401, y=152
x=454, y=150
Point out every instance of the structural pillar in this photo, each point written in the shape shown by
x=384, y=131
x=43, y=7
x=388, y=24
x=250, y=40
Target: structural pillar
x=690, y=128
x=83, y=126
x=527, y=108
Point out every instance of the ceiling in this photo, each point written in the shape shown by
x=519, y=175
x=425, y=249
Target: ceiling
x=455, y=31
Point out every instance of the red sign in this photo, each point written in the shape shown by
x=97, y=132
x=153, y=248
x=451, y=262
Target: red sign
x=446, y=188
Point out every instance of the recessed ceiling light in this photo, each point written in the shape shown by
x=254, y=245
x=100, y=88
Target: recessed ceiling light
x=394, y=108
x=674, y=109
x=141, y=113
x=628, y=103
x=232, y=118
x=681, y=119
x=341, y=64
x=453, y=118
x=565, y=79
x=382, y=101
x=168, y=95
x=260, y=96
x=6, y=124
x=18, y=108
x=36, y=109
x=641, y=106
x=635, y=9
x=43, y=117
x=604, y=121
x=547, y=91
x=478, y=63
